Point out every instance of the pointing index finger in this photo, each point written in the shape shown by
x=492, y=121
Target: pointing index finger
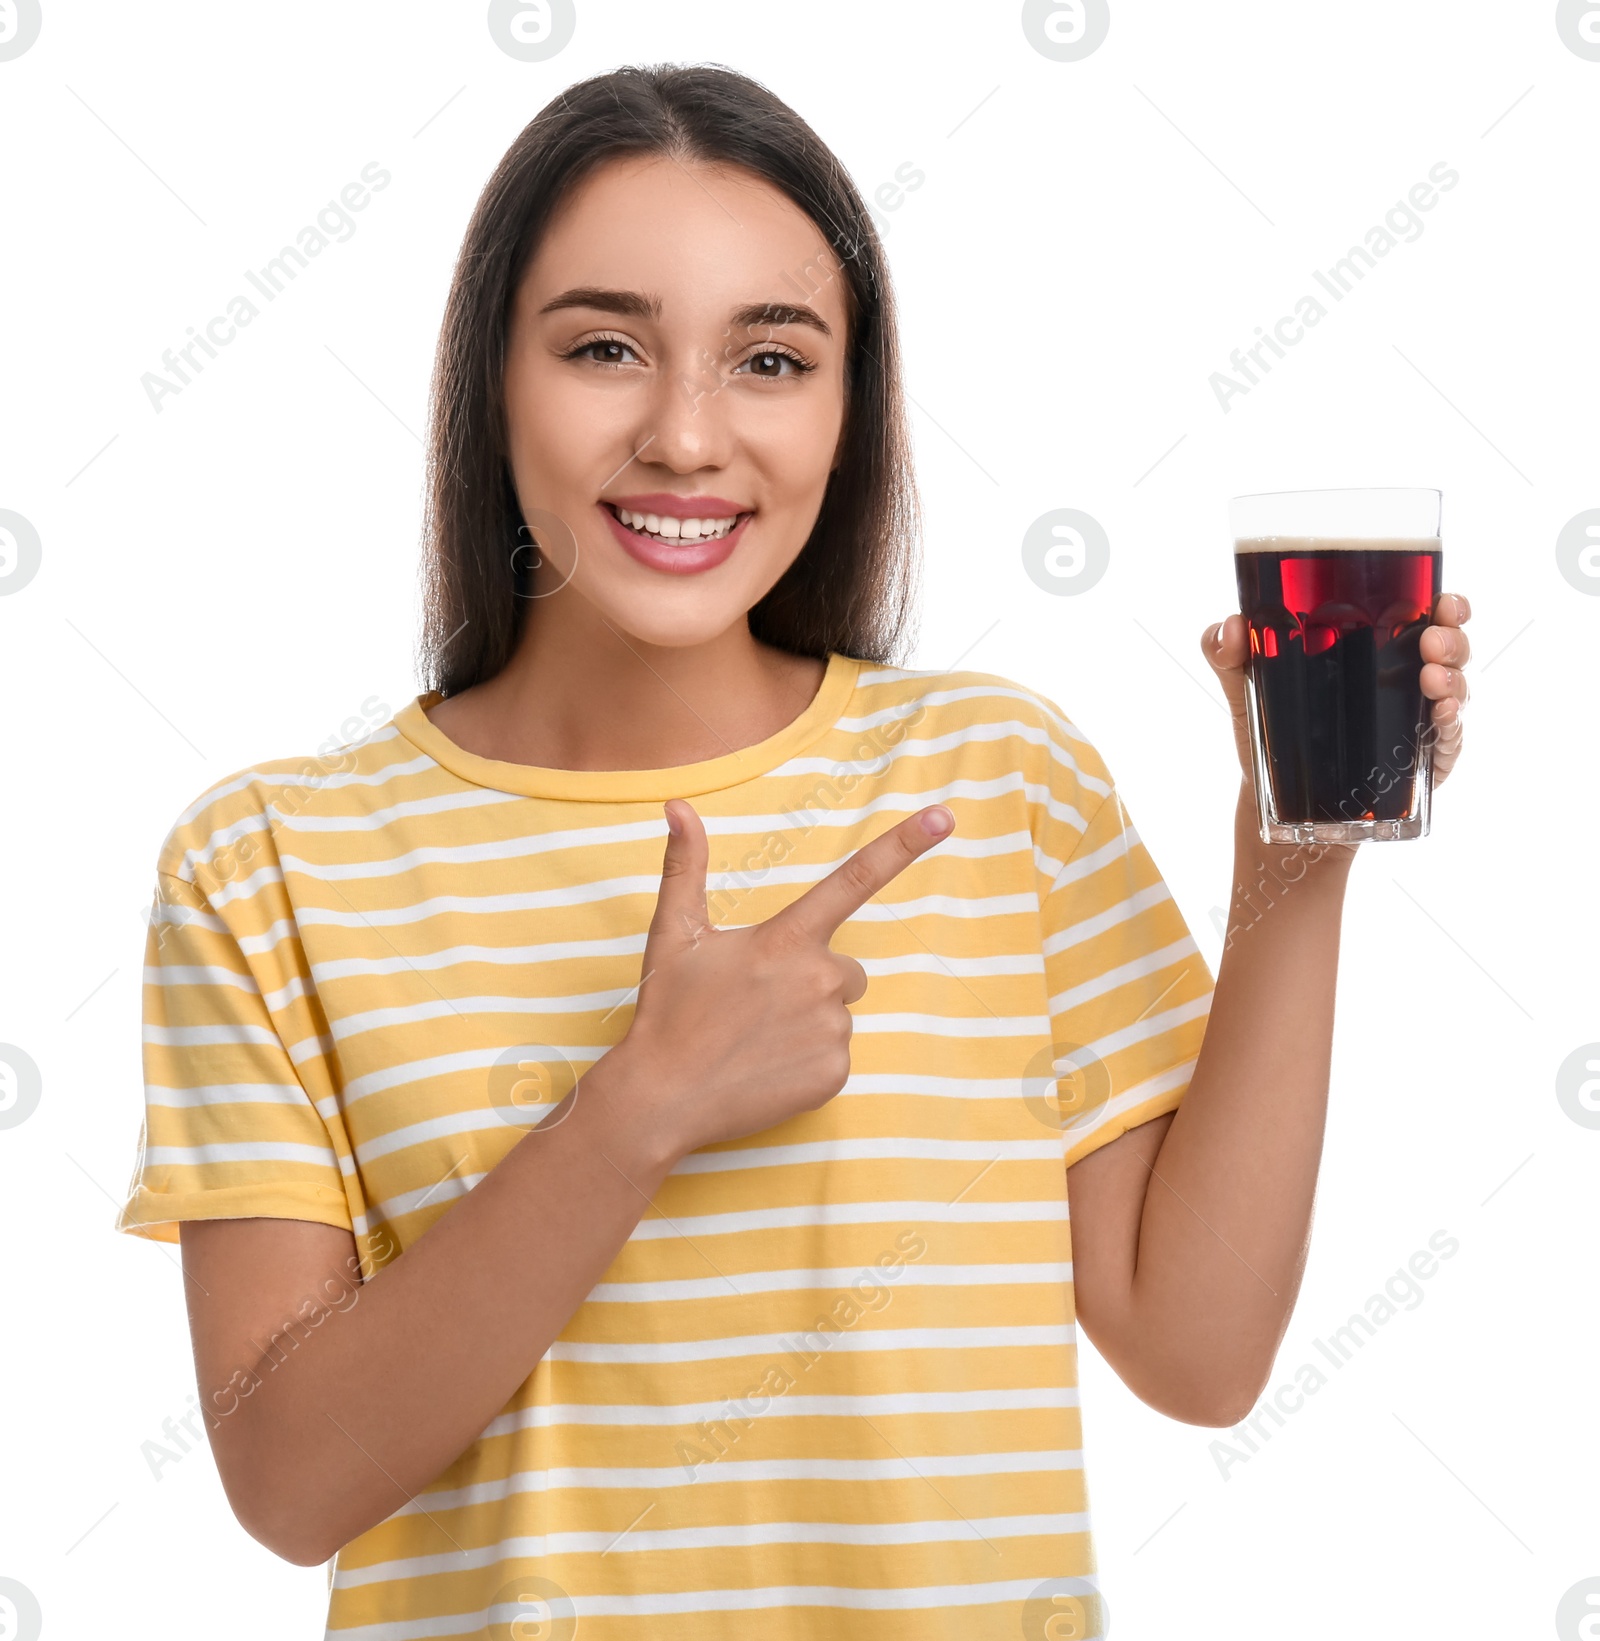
x=847, y=888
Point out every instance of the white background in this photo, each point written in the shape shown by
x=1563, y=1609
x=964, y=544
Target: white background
x=229, y=579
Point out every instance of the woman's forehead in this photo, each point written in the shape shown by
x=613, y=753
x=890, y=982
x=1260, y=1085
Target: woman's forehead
x=697, y=238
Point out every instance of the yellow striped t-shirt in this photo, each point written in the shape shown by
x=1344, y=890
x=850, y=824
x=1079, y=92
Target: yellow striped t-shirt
x=829, y=1385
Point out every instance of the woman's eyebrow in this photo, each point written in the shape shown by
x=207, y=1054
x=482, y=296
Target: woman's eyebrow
x=637, y=305
x=761, y=314
x=632, y=303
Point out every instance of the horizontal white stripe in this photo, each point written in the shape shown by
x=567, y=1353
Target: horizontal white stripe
x=167, y=915
x=1143, y=1030
x=920, y=962
x=201, y=1036
x=895, y=1148
x=1087, y=928
x=1052, y=1273
x=887, y=1405
x=982, y=906
x=194, y=1156
x=849, y=1213
x=270, y=938
x=563, y=897
x=200, y=863
x=296, y=776
x=452, y=1124
x=199, y=974
x=1110, y=1114
x=579, y=1056
x=945, y=697
x=801, y=1344
x=982, y=684
x=933, y=746
x=742, y=1472
x=437, y=1195
x=411, y=1014
x=211, y=1094
x=1140, y=968
x=520, y=846
x=347, y=1026
x=938, y=1088
x=280, y=999
x=245, y=888
x=904, y=1148
x=735, y=1536
x=899, y=1598
x=195, y=974
x=970, y=968
x=764, y=873
x=568, y=841
x=823, y=813
x=620, y=888
x=554, y=951
x=958, y=1025
x=306, y=1049
x=1078, y=867
x=409, y=809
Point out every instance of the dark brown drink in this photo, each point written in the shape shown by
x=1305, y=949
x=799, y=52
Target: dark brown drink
x=1335, y=664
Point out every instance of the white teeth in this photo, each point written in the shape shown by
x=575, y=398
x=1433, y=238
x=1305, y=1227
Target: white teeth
x=673, y=529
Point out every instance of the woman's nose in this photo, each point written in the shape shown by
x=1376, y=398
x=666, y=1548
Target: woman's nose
x=688, y=421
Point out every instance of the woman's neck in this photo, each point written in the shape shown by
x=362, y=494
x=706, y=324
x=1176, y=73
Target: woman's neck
x=587, y=696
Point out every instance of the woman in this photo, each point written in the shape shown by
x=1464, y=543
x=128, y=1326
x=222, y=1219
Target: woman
x=770, y=1318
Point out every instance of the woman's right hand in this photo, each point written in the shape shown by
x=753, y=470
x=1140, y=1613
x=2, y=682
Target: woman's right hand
x=736, y=1030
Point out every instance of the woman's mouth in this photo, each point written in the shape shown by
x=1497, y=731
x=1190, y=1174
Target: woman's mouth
x=663, y=528
x=670, y=542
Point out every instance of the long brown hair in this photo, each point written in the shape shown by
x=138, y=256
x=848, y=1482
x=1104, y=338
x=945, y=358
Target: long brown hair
x=853, y=586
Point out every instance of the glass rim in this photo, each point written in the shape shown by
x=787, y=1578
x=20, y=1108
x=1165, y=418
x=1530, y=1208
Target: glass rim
x=1352, y=513
x=1345, y=490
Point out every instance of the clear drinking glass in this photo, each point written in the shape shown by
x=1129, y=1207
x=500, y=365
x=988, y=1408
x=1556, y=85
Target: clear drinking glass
x=1337, y=586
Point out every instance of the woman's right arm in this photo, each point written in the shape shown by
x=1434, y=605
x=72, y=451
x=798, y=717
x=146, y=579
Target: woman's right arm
x=325, y=1418
x=320, y=1431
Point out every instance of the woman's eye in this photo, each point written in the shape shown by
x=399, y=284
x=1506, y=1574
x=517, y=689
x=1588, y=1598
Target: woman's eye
x=604, y=352
x=771, y=363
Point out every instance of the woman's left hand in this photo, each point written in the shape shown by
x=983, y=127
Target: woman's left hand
x=1445, y=651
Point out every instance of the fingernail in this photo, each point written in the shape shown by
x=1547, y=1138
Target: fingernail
x=937, y=821
x=674, y=825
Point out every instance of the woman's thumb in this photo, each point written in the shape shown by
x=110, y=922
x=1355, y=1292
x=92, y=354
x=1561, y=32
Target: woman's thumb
x=681, y=913
x=1226, y=646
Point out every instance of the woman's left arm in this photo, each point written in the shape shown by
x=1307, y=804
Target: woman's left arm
x=1190, y=1232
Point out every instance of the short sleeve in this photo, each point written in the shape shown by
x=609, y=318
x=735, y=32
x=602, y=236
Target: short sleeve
x=1129, y=991
x=231, y=1131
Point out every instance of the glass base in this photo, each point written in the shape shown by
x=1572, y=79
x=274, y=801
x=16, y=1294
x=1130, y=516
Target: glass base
x=1364, y=831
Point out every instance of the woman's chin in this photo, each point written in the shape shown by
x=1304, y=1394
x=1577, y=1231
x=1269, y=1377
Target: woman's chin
x=674, y=623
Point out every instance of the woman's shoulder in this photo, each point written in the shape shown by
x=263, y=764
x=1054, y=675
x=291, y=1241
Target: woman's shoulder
x=950, y=701
x=236, y=818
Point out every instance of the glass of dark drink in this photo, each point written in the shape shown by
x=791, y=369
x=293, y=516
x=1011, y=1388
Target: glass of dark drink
x=1337, y=586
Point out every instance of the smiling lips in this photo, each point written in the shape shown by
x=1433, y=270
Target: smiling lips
x=678, y=534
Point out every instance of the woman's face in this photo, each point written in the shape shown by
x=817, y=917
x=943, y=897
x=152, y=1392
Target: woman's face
x=674, y=392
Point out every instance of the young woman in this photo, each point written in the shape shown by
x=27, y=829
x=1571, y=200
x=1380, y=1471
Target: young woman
x=768, y=1320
